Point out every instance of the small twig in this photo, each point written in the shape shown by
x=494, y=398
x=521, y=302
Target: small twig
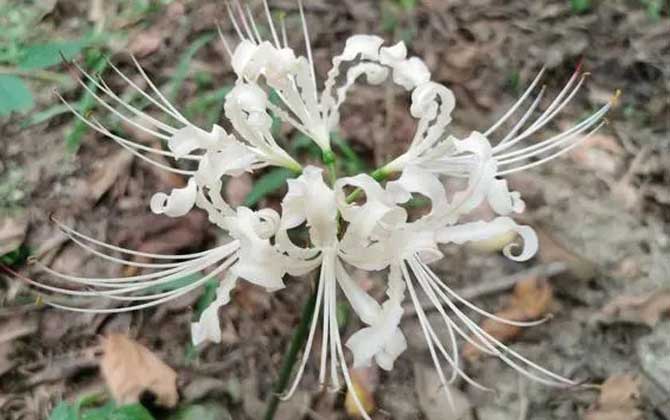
x=39, y=74
x=523, y=398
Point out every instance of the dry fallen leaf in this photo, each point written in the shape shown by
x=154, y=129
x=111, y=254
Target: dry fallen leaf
x=130, y=369
x=601, y=153
x=619, y=396
x=551, y=250
x=364, y=381
x=146, y=43
x=646, y=309
x=12, y=232
x=106, y=174
x=531, y=300
x=432, y=399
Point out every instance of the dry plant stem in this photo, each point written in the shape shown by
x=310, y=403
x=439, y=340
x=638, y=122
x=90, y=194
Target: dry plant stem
x=45, y=75
x=291, y=355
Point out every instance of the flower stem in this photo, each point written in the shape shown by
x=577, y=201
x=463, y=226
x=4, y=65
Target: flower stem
x=291, y=356
x=328, y=158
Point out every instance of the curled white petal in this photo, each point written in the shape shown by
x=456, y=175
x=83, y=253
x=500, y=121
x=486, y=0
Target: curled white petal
x=411, y=73
x=178, y=203
x=382, y=340
x=233, y=159
x=478, y=231
x=389, y=56
x=365, y=46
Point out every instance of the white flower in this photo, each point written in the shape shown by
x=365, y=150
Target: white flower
x=275, y=64
x=358, y=221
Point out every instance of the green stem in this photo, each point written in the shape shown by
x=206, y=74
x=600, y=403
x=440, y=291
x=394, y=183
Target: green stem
x=328, y=158
x=291, y=356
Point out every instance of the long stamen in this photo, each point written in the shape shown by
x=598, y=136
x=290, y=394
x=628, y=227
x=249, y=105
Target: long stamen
x=69, y=230
x=143, y=93
x=334, y=329
x=308, y=344
x=224, y=41
x=490, y=341
x=233, y=20
x=253, y=25
x=102, y=85
x=243, y=19
x=428, y=287
x=552, y=142
x=149, y=304
x=555, y=155
x=158, y=92
x=445, y=317
x=428, y=333
x=308, y=45
x=325, y=322
x=516, y=104
x=523, y=119
x=271, y=24
x=545, y=118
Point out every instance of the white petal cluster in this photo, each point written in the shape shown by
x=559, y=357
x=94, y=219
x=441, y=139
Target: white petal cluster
x=357, y=222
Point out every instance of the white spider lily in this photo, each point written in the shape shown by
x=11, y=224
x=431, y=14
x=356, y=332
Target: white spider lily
x=275, y=64
x=371, y=234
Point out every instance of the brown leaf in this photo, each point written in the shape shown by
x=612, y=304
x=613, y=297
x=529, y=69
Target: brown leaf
x=146, y=43
x=237, y=189
x=601, y=153
x=12, y=232
x=364, y=381
x=106, y=174
x=531, y=300
x=130, y=369
x=619, y=396
x=551, y=250
x=646, y=309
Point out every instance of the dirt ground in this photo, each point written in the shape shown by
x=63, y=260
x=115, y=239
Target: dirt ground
x=602, y=212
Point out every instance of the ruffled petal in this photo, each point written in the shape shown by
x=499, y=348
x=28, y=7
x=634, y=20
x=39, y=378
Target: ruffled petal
x=416, y=180
x=502, y=200
x=365, y=46
x=390, y=56
x=258, y=261
x=365, y=307
x=208, y=327
x=383, y=340
x=478, y=231
x=378, y=213
x=411, y=73
x=232, y=160
x=190, y=138
x=309, y=199
x=178, y=203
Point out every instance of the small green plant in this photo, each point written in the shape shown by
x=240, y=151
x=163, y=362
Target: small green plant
x=580, y=6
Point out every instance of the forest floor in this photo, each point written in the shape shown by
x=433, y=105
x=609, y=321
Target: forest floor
x=602, y=211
